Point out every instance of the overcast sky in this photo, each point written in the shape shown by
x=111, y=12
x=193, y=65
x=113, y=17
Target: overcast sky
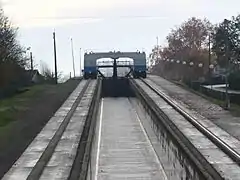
x=104, y=25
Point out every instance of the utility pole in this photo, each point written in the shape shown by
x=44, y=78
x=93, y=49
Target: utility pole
x=209, y=59
x=227, y=105
x=80, y=62
x=209, y=53
x=55, y=57
x=157, y=48
x=73, y=58
x=156, y=53
x=31, y=59
x=226, y=77
x=115, y=68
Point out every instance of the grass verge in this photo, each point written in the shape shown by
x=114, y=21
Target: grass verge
x=11, y=107
x=24, y=115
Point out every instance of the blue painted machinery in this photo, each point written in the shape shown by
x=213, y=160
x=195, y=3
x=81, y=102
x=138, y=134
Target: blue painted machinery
x=138, y=69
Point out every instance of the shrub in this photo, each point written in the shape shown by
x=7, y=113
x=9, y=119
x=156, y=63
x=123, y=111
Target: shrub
x=234, y=80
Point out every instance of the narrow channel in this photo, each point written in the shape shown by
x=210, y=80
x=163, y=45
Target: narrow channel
x=128, y=145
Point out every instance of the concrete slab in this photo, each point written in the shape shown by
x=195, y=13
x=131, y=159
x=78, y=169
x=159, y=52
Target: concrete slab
x=174, y=162
x=65, y=152
x=207, y=109
x=16, y=173
x=124, y=151
x=31, y=155
x=209, y=150
x=231, y=168
x=56, y=173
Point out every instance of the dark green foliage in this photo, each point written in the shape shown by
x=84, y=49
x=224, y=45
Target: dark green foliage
x=226, y=45
x=190, y=43
x=234, y=80
x=12, y=59
x=226, y=41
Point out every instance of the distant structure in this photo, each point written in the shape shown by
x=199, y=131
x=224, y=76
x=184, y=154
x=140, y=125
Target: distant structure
x=34, y=76
x=138, y=68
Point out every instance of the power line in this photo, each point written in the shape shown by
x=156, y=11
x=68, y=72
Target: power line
x=99, y=17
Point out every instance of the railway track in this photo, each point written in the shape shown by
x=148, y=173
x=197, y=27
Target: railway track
x=62, y=150
x=233, y=154
x=53, y=153
x=207, y=163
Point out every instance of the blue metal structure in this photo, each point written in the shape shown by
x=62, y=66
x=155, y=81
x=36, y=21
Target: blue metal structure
x=138, y=69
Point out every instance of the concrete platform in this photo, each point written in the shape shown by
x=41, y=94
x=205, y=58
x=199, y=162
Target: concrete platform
x=210, y=151
x=123, y=148
x=201, y=107
x=60, y=163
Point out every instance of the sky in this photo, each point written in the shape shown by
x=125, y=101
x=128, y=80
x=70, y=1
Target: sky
x=103, y=25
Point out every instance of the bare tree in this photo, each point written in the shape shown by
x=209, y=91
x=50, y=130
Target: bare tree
x=46, y=71
x=186, y=43
x=48, y=74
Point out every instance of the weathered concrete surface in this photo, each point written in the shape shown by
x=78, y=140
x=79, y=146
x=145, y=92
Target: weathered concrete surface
x=124, y=150
x=60, y=164
x=175, y=163
x=16, y=136
x=66, y=148
x=202, y=106
x=210, y=151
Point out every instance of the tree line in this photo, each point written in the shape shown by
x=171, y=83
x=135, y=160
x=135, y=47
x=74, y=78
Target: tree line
x=196, y=47
x=14, y=61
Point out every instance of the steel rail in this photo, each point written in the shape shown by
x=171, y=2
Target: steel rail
x=79, y=169
x=235, y=156
x=205, y=169
x=47, y=154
